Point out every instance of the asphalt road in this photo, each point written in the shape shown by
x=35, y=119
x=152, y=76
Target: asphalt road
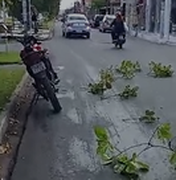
x=62, y=147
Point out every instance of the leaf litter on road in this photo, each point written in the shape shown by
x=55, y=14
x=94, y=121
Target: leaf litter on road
x=5, y=148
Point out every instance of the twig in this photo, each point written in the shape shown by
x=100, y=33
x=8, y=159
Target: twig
x=153, y=134
x=160, y=146
x=117, y=149
x=145, y=149
x=153, y=146
x=132, y=147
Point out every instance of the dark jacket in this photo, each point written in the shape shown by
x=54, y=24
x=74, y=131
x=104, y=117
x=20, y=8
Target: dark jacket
x=118, y=26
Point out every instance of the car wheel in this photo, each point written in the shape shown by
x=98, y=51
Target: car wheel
x=67, y=35
x=88, y=36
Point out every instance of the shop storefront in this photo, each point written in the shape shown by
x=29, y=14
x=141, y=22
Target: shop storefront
x=155, y=16
x=135, y=13
x=152, y=16
x=161, y=17
x=173, y=18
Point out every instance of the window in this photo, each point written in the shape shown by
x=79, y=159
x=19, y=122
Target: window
x=99, y=18
x=81, y=18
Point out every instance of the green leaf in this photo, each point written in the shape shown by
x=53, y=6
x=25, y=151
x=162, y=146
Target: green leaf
x=131, y=168
x=172, y=159
x=134, y=156
x=119, y=168
x=164, y=132
x=142, y=166
x=101, y=133
x=123, y=159
x=102, y=148
x=108, y=160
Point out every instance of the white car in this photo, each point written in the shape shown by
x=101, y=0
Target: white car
x=76, y=24
x=106, y=22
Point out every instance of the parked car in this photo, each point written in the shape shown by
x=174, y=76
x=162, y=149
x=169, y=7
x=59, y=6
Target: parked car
x=76, y=24
x=106, y=22
x=97, y=19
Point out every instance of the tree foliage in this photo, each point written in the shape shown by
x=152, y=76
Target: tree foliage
x=97, y=4
x=51, y=7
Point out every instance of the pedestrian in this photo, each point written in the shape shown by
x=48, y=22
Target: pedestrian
x=135, y=22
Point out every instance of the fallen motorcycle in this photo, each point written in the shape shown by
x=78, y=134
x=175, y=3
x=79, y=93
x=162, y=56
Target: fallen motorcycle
x=44, y=85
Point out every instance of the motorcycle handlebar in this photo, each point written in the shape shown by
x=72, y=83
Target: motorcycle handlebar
x=20, y=40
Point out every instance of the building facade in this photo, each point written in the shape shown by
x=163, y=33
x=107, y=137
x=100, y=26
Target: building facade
x=153, y=16
x=114, y=6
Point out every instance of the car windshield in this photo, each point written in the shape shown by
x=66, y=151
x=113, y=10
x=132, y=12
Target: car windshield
x=81, y=18
x=98, y=18
x=109, y=19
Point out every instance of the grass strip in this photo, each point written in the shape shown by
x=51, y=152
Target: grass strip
x=9, y=79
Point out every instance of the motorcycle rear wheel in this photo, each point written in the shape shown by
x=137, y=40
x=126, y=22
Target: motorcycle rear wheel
x=120, y=46
x=51, y=95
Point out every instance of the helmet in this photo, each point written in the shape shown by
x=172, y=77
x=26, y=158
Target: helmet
x=118, y=13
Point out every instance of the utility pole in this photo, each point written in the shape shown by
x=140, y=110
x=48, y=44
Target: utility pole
x=5, y=27
x=107, y=6
x=162, y=20
x=3, y=8
x=167, y=15
x=24, y=12
x=29, y=15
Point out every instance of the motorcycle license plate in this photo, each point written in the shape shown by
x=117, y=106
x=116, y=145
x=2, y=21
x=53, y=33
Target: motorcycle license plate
x=37, y=68
x=79, y=31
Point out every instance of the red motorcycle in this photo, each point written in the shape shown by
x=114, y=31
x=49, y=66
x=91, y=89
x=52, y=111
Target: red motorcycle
x=39, y=70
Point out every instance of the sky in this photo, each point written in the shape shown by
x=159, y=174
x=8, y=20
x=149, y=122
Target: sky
x=66, y=3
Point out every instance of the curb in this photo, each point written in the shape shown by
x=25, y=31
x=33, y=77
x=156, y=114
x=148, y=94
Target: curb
x=5, y=115
x=15, y=120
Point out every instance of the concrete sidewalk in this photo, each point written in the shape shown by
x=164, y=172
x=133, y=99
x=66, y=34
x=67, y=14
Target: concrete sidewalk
x=155, y=37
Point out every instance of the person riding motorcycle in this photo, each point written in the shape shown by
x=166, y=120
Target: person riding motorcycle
x=33, y=46
x=118, y=27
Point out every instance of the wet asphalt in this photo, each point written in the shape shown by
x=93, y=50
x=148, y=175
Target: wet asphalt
x=63, y=146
